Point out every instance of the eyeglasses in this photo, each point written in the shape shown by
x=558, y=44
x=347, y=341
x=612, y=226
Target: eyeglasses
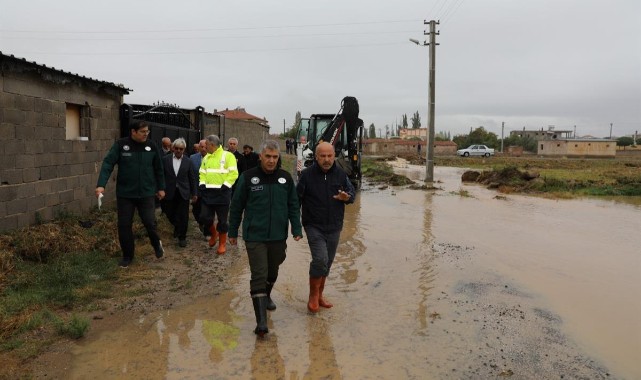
x=144, y=132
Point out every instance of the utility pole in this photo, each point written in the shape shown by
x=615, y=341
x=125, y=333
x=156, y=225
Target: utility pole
x=610, y=130
x=502, y=126
x=575, y=131
x=429, y=160
x=284, y=126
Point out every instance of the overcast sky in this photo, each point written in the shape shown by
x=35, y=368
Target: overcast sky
x=528, y=63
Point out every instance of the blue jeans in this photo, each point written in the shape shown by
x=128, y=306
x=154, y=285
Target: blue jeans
x=323, y=247
x=146, y=210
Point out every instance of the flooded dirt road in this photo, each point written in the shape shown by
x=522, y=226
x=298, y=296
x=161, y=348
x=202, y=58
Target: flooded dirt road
x=426, y=285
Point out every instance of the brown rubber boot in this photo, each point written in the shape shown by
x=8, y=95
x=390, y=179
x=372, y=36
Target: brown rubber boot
x=314, y=289
x=322, y=301
x=222, y=243
x=214, y=235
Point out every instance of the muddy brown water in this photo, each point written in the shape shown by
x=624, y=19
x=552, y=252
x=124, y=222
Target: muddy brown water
x=425, y=285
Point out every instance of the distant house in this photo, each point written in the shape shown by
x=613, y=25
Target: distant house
x=56, y=128
x=577, y=147
x=240, y=114
x=398, y=146
x=406, y=133
x=540, y=134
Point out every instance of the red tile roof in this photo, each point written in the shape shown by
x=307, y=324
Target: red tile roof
x=240, y=114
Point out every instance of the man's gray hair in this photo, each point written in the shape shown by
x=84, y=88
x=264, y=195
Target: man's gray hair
x=215, y=140
x=179, y=142
x=233, y=139
x=269, y=144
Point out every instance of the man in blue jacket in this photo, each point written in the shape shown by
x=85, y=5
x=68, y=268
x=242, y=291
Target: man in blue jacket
x=323, y=189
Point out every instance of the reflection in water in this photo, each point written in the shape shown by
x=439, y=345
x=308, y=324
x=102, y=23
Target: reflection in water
x=350, y=246
x=425, y=270
x=266, y=361
x=322, y=358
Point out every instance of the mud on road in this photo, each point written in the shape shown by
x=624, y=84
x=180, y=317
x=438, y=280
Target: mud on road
x=418, y=293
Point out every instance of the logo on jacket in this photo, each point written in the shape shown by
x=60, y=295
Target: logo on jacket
x=147, y=148
x=282, y=180
x=255, y=180
x=125, y=147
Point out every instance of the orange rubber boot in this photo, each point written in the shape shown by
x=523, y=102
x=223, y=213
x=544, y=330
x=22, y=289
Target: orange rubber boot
x=222, y=243
x=322, y=301
x=314, y=290
x=214, y=235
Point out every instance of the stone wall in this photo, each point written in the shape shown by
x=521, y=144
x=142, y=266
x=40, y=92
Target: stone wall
x=246, y=132
x=42, y=174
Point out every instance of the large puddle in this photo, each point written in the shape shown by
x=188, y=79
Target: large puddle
x=577, y=258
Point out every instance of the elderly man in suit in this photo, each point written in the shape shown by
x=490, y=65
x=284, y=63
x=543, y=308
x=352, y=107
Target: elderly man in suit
x=181, y=187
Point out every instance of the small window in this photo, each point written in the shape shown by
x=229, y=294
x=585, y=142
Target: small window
x=77, y=122
x=576, y=145
x=541, y=146
x=558, y=145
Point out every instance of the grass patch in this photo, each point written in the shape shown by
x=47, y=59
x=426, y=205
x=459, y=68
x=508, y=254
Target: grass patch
x=380, y=172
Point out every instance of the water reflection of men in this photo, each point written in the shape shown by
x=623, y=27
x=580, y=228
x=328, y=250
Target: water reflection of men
x=323, y=189
x=266, y=361
x=322, y=358
x=267, y=196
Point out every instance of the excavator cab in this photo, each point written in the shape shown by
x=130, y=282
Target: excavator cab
x=343, y=130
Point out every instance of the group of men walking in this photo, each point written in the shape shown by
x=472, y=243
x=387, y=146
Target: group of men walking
x=231, y=191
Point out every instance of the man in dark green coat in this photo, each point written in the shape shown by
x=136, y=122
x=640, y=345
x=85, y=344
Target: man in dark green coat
x=140, y=179
x=267, y=196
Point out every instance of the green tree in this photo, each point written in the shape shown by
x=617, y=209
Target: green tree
x=372, y=131
x=477, y=136
x=527, y=142
x=416, y=121
x=442, y=136
x=404, y=122
x=625, y=141
x=293, y=130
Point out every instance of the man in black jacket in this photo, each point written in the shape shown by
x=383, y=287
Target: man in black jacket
x=180, y=187
x=323, y=189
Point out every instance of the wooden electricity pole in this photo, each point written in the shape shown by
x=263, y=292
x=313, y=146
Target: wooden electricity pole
x=429, y=170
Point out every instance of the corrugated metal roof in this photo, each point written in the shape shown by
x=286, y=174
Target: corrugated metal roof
x=45, y=67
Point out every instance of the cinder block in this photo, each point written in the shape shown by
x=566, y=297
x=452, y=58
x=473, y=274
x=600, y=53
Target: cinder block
x=8, y=223
x=11, y=177
x=46, y=214
x=76, y=169
x=43, y=160
x=7, y=131
x=8, y=161
x=25, y=161
x=43, y=105
x=52, y=199
x=50, y=172
x=30, y=175
x=17, y=206
x=14, y=116
x=34, y=147
x=8, y=193
x=64, y=170
x=26, y=220
x=7, y=101
x=34, y=119
x=35, y=203
x=51, y=120
x=26, y=190
x=3, y=209
x=24, y=103
x=66, y=196
x=42, y=187
x=26, y=132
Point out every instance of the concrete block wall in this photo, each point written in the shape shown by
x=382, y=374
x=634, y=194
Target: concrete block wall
x=246, y=132
x=41, y=173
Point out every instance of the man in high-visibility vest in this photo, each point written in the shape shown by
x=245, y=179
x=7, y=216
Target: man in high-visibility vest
x=218, y=173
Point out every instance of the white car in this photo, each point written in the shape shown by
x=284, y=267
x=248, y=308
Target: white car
x=475, y=150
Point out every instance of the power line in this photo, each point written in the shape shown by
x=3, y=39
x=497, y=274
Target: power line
x=213, y=51
x=207, y=38
x=206, y=29
x=447, y=17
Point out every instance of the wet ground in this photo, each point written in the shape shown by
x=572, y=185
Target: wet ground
x=426, y=285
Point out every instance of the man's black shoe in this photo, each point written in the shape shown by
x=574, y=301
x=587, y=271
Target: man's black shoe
x=159, y=251
x=124, y=263
x=182, y=243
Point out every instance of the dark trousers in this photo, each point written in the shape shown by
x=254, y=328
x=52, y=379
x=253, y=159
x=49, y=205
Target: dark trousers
x=146, y=210
x=323, y=248
x=177, y=211
x=209, y=212
x=264, y=260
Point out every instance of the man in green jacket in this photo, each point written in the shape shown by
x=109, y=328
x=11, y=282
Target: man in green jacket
x=140, y=178
x=267, y=196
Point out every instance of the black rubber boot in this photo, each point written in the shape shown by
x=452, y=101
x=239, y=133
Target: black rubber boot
x=271, y=306
x=260, y=309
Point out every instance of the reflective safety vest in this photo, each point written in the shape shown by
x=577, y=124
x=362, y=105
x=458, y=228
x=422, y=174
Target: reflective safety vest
x=218, y=169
